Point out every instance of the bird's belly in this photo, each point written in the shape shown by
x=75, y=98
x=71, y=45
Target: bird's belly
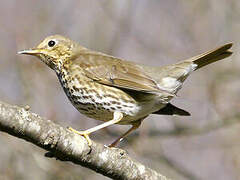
x=102, y=106
x=100, y=102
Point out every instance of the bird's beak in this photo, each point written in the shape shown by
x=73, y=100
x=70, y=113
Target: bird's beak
x=30, y=52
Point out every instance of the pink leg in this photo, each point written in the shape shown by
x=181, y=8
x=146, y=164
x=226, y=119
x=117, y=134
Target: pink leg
x=134, y=126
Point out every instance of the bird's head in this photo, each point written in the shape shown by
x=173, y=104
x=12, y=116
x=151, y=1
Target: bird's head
x=54, y=50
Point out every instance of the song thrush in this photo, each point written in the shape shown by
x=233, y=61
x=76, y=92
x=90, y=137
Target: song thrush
x=114, y=90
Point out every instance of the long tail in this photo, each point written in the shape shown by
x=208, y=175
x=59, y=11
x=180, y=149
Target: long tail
x=171, y=77
x=211, y=56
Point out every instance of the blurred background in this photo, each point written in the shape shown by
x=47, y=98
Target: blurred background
x=154, y=32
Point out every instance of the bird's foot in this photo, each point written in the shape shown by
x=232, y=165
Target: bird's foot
x=85, y=134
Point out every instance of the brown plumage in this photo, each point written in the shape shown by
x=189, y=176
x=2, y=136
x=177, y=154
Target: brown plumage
x=113, y=90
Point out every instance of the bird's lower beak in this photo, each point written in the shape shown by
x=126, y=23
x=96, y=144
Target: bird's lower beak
x=30, y=51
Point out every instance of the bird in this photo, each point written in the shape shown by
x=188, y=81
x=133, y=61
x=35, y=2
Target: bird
x=115, y=90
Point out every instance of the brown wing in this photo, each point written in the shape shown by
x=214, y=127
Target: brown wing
x=115, y=72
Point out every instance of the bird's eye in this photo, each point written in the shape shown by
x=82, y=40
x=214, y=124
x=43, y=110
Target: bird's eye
x=51, y=43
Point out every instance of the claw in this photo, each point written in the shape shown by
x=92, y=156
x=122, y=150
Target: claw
x=85, y=134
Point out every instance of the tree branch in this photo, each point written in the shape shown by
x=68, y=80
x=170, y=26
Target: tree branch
x=67, y=146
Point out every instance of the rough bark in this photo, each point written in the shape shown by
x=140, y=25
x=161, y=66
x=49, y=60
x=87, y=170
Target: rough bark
x=67, y=146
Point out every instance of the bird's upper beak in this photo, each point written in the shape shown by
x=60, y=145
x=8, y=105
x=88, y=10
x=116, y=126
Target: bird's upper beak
x=30, y=51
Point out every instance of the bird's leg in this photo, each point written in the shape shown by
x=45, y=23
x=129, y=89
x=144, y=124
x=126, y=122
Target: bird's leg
x=134, y=126
x=117, y=116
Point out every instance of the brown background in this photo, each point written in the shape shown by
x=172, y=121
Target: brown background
x=153, y=32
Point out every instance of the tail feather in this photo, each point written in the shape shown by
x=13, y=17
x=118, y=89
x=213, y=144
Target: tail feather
x=171, y=77
x=170, y=109
x=211, y=56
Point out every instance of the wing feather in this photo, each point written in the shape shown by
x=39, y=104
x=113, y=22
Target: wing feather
x=116, y=72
